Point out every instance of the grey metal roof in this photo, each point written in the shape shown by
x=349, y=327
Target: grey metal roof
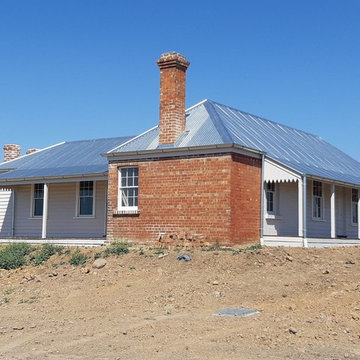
x=210, y=123
x=65, y=159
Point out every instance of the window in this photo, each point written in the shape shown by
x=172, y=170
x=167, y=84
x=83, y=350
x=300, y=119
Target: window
x=270, y=198
x=317, y=200
x=38, y=200
x=86, y=199
x=128, y=188
x=354, y=206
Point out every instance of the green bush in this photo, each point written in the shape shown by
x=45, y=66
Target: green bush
x=117, y=248
x=78, y=258
x=47, y=250
x=13, y=256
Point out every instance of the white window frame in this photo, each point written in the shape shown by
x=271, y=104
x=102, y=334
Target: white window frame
x=77, y=202
x=273, y=192
x=121, y=208
x=32, y=202
x=354, y=206
x=321, y=198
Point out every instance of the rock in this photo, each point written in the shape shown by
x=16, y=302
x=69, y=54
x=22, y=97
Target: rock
x=292, y=331
x=292, y=307
x=125, y=332
x=38, y=279
x=162, y=255
x=85, y=270
x=99, y=263
x=54, y=273
x=289, y=258
x=325, y=272
x=217, y=294
x=18, y=328
x=215, y=282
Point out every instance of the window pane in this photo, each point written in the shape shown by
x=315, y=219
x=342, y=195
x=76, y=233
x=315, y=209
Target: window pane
x=86, y=205
x=38, y=207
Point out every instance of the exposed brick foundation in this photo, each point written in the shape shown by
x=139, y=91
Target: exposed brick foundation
x=172, y=96
x=208, y=198
x=11, y=151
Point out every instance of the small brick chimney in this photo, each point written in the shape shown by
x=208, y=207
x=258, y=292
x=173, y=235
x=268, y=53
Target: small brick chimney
x=30, y=151
x=11, y=151
x=172, y=96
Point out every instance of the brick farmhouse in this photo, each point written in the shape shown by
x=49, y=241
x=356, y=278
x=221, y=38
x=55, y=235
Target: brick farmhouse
x=206, y=175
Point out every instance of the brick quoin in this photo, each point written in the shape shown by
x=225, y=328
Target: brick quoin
x=215, y=196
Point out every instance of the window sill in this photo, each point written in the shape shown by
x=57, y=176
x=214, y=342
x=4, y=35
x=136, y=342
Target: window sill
x=320, y=220
x=354, y=225
x=126, y=212
x=273, y=217
x=35, y=218
x=84, y=217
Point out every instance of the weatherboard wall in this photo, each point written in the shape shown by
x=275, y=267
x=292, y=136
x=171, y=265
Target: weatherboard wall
x=62, y=220
x=6, y=206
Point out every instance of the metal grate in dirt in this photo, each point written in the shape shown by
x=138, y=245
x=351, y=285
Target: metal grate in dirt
x=241, y=312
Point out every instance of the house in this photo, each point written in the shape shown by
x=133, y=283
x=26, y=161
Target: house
x=209, y=174
x=67, y=182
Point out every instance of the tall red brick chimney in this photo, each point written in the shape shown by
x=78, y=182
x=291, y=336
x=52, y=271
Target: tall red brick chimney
x=172, y=96
x=11, y=151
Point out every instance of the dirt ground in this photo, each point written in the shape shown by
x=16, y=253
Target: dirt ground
x=140, y=306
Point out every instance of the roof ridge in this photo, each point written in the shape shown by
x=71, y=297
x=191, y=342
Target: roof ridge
x=104, y=138
x=32, y=153
x=264, y=119
x=218, y=123
x=130, y=140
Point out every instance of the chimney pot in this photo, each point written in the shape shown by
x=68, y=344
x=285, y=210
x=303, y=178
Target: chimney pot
x=173, y=67
x=11, y=152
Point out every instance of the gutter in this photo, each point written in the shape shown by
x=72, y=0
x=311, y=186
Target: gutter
x=182, y=149
x=14, y=181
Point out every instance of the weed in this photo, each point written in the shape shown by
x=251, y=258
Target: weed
x=98, y=255
x=117, y=248
x=78, y=258
x=248, y=248
x=9, y=291
x=141, y=252
x=67, y=252
x=132, y=268
x=159, y=251
x=6, y=300
x=284, y=295
x=47, y=250
x=13, y=256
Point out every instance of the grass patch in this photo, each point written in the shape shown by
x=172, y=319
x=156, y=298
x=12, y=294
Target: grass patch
x=117, y=248
x=78, y=258
x=13, y=256
x=248, y=248
x=159, y=251
x=45, y=253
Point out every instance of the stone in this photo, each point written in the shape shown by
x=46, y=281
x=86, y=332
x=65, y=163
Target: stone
x=99, y=263
x=215, y=282
x=289, y=258
x=292, y=331
x=18, y=328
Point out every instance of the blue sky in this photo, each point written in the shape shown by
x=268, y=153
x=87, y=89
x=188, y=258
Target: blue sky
x=82, y=69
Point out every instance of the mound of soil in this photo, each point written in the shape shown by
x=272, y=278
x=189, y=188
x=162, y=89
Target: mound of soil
x=146, y=305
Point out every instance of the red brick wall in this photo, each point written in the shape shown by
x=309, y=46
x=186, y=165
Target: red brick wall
x=245, y=199
x=193, y=195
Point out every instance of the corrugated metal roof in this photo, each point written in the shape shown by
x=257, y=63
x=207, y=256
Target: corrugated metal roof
x=210, y=123
x=65, y=159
